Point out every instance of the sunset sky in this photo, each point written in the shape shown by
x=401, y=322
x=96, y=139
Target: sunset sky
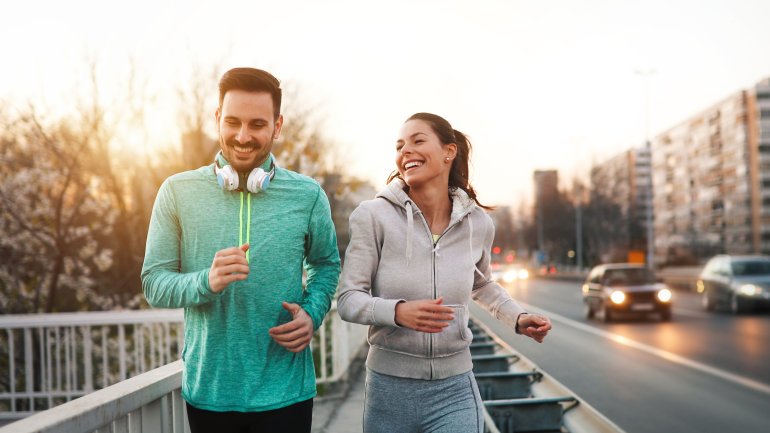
x=535, y=84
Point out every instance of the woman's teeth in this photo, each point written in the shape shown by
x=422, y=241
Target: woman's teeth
x=411, y=164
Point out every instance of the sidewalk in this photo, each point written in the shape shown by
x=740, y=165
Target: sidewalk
x=341, y=411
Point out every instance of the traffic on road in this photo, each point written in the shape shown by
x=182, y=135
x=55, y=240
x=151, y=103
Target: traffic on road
x=698, y=372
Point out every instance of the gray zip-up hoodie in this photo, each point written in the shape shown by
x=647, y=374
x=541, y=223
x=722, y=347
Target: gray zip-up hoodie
x=391, y=257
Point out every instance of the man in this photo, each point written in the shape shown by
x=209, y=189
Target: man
x=228, y=242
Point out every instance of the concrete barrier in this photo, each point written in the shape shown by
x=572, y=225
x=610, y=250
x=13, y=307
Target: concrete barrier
x=676, y=277
x=680, y=277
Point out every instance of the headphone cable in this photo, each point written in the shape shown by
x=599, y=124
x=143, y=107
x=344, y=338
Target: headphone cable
x=248, y=226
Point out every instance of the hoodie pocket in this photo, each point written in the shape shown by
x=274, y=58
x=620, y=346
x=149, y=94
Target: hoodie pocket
x=456, y=337
x=400, y=340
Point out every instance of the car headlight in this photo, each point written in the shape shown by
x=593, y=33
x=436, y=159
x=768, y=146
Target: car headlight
x=664, y=295
x=699, y=286
x=523, y=274
x=617, y=297
x=509, y=276
x=750, y=290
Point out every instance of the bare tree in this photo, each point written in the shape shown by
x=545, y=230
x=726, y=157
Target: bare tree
x=75, y=203
x=505, y=234
x=54, y=221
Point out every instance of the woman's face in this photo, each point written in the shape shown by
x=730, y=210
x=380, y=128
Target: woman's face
x=420, y=156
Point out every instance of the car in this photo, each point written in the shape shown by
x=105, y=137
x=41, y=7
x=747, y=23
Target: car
x=617, y=289
x=510, y=273
x=737, y=283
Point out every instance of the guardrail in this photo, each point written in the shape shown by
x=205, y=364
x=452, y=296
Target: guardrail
x=50, y=359
x=150, y=402
x=519, y=397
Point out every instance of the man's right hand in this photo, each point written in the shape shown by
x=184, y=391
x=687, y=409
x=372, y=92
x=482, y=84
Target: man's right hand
x=228, y=265
x=425, y=315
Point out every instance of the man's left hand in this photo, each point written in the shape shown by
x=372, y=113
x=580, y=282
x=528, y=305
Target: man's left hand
x=295, y=336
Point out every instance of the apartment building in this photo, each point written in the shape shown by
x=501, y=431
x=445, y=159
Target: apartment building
x=625, y=179
x=546, y=189
x=711, y=180
x=761, y=170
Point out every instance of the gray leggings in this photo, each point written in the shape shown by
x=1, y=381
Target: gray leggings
x=396, y=404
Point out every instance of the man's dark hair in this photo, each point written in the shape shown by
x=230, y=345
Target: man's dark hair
x=251, y=80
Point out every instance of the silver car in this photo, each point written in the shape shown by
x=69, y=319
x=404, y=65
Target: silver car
x=735, y=283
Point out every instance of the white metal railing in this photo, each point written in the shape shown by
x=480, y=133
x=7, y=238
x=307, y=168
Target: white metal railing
x=337, y=343
x=49, y=359
x=150, y=402
x=59, y=362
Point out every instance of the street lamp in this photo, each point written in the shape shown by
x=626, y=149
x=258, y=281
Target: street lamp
x=645, y=74
x=578, y=188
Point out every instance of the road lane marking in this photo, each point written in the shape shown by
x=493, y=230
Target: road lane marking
x=669, y=356
x=692, y=313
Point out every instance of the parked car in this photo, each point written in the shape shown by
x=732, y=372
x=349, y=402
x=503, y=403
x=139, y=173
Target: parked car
x=616, y=289
x=735, y=283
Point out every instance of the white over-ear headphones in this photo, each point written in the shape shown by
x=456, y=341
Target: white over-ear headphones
x=257, y=181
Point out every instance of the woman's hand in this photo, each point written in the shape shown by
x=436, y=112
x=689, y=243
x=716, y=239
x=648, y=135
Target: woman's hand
x=533, y=326
x=424, y=315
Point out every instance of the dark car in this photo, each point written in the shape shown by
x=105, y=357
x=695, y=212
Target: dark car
x=735, y=283
x=616, y=289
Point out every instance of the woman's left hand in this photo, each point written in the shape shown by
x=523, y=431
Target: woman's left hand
x=533, y=326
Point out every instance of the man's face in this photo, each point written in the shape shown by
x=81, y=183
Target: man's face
x=247, y=128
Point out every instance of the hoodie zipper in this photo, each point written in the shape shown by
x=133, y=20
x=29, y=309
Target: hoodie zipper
x=433, y=264
x=435, y=290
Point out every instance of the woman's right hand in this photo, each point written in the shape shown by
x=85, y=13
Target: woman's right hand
x=424, y=315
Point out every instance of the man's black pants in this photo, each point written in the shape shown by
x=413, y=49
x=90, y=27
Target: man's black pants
x=296, y=418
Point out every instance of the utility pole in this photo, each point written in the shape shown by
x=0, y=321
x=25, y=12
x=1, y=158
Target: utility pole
x=646, y=74
x=540, y=244
x=579, y=226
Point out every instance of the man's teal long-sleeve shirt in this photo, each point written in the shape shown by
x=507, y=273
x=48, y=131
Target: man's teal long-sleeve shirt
x=230, y=361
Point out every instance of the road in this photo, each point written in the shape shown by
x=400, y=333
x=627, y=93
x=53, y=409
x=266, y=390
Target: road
x=701, y=372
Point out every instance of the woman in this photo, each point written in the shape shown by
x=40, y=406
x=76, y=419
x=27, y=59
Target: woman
x=418, y=253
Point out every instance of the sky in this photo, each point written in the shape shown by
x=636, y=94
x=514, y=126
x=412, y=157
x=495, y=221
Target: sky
x=536, y=85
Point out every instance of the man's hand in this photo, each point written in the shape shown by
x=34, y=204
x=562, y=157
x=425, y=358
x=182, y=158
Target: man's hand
x=533, y=326
x=425, y=315
x=228, y=265
x=295, y=336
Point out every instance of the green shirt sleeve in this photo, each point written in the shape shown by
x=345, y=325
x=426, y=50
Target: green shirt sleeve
x=322, y=261
x=163, y=283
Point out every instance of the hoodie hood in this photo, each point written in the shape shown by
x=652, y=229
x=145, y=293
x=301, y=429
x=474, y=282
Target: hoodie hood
x=461, y=203
x=462, y=206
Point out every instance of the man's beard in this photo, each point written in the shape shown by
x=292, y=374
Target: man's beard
x=253, y=145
